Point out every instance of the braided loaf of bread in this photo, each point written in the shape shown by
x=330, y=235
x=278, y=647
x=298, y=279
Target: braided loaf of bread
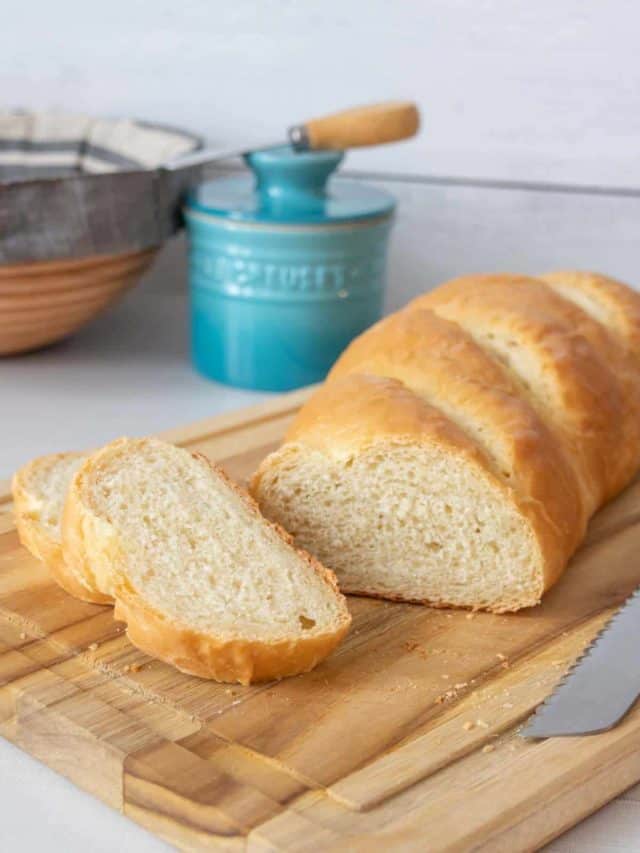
x=459, y=447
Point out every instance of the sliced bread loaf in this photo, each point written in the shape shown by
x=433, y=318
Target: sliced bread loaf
x=201, y=579
x=458, y=448
x=39, y=491
x=446, y=368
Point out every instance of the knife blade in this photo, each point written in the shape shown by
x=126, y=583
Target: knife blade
x=602, y=684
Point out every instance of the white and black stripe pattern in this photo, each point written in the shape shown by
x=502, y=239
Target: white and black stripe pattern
x=41, y=145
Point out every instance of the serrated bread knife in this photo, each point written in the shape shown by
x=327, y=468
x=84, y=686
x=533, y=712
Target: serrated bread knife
x=601, y=686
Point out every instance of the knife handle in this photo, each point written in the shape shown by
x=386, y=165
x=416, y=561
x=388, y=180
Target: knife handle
x=372, y=125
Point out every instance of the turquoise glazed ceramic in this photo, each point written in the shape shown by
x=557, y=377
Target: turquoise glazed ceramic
x=285, y=268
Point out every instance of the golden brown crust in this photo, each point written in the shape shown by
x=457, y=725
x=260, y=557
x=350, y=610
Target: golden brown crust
x=567, y=347
x=78, y=535
x=95, y=546
x=613, y=303
x=222, y=659
x=35, y=537
x=441, y=363
x=345, y=416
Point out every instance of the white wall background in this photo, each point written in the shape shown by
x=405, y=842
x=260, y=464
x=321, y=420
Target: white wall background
x=546, y=90
x=530, y=150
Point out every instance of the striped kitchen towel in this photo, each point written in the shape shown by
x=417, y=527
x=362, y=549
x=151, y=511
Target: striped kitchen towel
x=47, y=144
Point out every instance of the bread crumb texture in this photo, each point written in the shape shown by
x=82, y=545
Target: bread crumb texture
x=199, y=551
x=201, y=578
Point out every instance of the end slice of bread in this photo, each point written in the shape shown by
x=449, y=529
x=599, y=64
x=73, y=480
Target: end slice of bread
x=402, y=504
x=39, y=491
x=203, y=581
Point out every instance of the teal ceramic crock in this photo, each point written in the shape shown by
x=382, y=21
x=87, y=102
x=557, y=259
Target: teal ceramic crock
x=285, y=268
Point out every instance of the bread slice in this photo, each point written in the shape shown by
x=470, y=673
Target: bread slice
x=201, y=579
x=401, y=503
x=39, y=491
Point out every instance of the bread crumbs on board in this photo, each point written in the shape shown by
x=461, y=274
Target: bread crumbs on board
x=415, y=646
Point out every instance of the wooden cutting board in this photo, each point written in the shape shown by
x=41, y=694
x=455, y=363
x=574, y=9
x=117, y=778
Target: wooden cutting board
x=405, y=739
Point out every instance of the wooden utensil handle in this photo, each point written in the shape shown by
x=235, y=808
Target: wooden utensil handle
x=354, y=128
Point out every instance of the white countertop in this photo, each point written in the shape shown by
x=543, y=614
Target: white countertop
x=129, y=373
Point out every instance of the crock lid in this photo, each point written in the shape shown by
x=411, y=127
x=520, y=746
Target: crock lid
x=290, y=187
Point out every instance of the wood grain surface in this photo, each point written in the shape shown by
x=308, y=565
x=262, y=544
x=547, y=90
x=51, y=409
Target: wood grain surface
x=404, y=739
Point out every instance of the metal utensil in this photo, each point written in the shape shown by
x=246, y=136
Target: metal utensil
x=376, y=124
x=601, y=686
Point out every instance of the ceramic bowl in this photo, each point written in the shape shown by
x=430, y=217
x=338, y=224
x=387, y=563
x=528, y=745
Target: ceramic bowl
x=84, y=206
